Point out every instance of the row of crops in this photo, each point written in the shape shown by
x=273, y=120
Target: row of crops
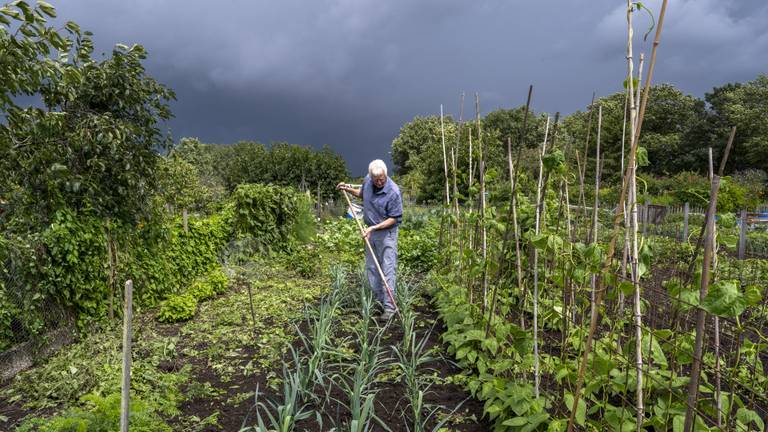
x=570, y=320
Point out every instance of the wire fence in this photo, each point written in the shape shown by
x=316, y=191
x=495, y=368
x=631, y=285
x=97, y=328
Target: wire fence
x=31, y=329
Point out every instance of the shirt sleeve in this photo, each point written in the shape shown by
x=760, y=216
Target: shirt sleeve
x=395, y=207
x=362, y=187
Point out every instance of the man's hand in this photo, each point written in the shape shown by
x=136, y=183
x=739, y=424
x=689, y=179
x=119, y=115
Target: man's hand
x=342, y=186
x=367, y=232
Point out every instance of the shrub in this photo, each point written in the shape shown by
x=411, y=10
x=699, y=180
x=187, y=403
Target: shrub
x=201, y=290
x=275, y=216
x=305, y=261
x=75, y=260
x=183, y=307
x=217, y=280
x=162, y=257
x=417, y=248
x=177, y=308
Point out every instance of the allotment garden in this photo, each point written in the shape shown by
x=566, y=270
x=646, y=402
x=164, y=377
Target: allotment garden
x=554, y=273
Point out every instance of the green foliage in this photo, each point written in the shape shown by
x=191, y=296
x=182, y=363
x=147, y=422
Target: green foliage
x=276, y=217
x=281, y=164
x=177, y=308
x=199, y=290
x=742, y=105
x=163, y=259
x=554, y=162
x=695, y=189
x=7, y=313
x=340, y=239
x=100, y=133
x=75, y=269
x=99, y=414
x=182, y=307
x=179, y=184
x=209, y=285
x=306, y=261
x=417, y=246
x=23, y=310
x=217, y=280
x=726, y=299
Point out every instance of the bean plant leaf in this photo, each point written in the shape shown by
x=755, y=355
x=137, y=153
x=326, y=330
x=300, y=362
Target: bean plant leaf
x=581, y=408
x=753, y=295
x=516, y=422
x=746, y=416
x=554, y=162
x=651, y=344
x=724, y=299
x=642, y=157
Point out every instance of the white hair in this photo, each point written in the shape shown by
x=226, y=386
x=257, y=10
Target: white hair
x=377, y=168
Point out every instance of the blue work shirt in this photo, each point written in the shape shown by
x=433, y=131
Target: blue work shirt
x=381, y=204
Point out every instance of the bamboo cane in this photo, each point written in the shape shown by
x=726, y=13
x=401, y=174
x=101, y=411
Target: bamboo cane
x=639, y=83
x=445, y=159
x=718, y=397
x=693, y=387
x=632, y=170
x=518, y=257
x=720, y=173
x=125, y=394
x=482, y=201
x=373, y=255
x=617, y=219
x=535, y=265
x=593, y=233
x=459, y=228
x=583, y=166
x=625, y=249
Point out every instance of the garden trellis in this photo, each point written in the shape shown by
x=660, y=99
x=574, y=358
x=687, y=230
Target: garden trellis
x=586, y=358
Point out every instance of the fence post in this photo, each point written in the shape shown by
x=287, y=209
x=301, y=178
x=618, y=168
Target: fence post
x=686, y=210
x=185, y=219
x=127, y=318
x=743, y=235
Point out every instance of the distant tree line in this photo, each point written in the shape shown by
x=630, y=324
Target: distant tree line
x=678, y=130
x=280, y=163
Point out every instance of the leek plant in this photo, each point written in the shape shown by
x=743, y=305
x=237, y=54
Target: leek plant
x=286, y=414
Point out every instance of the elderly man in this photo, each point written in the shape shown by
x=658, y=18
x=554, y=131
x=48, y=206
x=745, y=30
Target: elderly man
x=382, y=212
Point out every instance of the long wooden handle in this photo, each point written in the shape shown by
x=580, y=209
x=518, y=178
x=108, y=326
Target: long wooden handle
x=373, y=254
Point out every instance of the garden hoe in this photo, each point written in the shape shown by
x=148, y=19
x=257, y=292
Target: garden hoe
x=373, y=254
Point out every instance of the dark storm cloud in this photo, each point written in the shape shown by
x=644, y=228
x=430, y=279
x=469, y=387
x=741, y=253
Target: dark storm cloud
x=348, y=73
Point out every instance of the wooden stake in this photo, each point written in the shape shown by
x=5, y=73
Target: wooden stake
x=743, y=235
x=616, y=221
x=593, y=235
x=445, y=160
x=693, y=387
x=720, y=173
x=539, y=188
x=125, y=400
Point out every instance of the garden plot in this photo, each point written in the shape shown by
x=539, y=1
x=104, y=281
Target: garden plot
x=197, y=375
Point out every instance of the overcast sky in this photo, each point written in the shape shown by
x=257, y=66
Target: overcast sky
x=349, y=73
